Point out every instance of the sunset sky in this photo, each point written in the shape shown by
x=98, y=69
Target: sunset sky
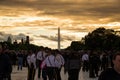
x=40, y=19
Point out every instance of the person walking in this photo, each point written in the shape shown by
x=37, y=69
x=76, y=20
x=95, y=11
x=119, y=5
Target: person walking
x=51, y=65
x=104, y=62
x=40, y=58
x=114, y=72
x=5, y=65
x=31, y=59
x=44, y=69
x=94, y=62
x=85, y=60
x=20, y=60
x=61, y=61
x=73, y=65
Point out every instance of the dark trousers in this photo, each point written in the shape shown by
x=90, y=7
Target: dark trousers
x=20, y=63
x=58, y=70
x=51, y=72
x=31, y=73
x=93, y=71
x=44, y=74
x=73, y=74
x=103, y=66
x=39, y=68
x=85, y=66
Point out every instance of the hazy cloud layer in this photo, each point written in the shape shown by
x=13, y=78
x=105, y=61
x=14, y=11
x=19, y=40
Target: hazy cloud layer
x=73, y=16
x=4, y=36
x=55, y=38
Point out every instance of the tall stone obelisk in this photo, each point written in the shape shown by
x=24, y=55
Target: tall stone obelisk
x=59, y=38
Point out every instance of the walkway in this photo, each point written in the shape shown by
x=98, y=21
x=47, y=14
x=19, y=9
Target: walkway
x=22, y=75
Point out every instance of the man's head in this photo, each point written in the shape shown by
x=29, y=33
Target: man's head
x=116, y=61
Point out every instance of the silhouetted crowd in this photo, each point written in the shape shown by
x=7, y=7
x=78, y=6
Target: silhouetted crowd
x=48, y=63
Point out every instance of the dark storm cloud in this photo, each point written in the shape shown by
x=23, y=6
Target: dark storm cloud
x=56, y=6
x=94, y=9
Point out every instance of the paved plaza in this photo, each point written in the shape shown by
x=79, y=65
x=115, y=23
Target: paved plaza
x=22, y=75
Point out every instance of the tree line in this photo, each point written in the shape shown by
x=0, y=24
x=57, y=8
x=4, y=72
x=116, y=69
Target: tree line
x=99, y=39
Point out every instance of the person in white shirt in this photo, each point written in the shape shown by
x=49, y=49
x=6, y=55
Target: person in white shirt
x=51, y=65
x=31, y=60
x=61, y=63
x=85, y=60
x=44, y=70
x=40, y=57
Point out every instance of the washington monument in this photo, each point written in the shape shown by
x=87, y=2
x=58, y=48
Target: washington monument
x=59, y=38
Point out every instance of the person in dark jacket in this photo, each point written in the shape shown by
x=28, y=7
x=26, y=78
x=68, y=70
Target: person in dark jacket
x=73, y=65
x=104, y=62
x=94, y=61
x=114, y=72
x=5, y=65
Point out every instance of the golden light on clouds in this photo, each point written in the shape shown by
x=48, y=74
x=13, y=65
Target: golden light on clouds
x=40, y=19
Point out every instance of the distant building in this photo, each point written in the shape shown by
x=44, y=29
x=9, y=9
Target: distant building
x=15, y=42
x=27, y=40
x=9, y=40
x=22, y=41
